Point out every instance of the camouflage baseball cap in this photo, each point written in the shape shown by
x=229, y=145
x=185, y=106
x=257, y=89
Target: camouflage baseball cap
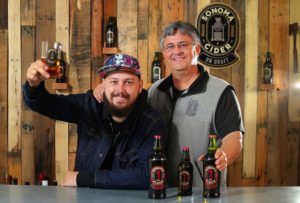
x=118, y=62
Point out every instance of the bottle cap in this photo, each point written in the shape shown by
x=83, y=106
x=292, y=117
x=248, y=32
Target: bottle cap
x=212, y=136
x=157, y=136
x=185, y=149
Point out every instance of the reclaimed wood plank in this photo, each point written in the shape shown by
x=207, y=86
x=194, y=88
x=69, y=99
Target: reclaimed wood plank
x=291, y=176
x=14, y=89
x=28, y=125
x=190, y=11
x=250, y=108
x=155, y=18
x=143, y=35
x=3, y=14
x=237, y=81
x=294, y=93
x=28, y=12
x=3, y=104
x=171, y=11
x=261, y=156
x=96, y=37
x=44, y=153
x=61, y=128
x=279, y=32
x=127, y=21
x=80, y=46
x=277, y=127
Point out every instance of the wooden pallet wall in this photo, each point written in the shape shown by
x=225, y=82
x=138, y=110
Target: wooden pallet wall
x=31, y=143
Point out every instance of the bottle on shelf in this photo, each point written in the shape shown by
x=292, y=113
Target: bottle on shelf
x=268, y=70
x=111, y=32
x=156, y=68
x=61, y=67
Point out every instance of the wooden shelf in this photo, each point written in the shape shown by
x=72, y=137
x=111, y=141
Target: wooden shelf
x=110, y=50
x=267, y=87
x=60, y=86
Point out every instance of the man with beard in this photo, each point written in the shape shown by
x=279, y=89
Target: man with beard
x=116, y=137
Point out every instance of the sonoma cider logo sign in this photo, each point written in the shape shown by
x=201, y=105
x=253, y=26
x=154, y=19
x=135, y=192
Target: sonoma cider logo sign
x=218, y=26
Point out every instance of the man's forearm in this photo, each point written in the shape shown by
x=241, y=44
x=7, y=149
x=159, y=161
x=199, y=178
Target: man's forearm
x=232, y=145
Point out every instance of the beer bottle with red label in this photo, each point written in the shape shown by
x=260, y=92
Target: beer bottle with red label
x=185, y=170
x=157, y=171
x=212, y=176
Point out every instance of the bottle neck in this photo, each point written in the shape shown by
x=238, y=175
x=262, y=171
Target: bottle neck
x=186, y=156
x=212, y=147
x=157, y=146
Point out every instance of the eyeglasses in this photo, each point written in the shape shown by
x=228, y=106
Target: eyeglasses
x=180, y=45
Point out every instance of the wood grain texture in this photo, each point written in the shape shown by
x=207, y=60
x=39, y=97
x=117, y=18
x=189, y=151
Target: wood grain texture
x=155, y=18
x=143, y=35
x=294, y=92
x=127, y=21
x=61, y=128
x=279, y=21
x=238, y=81
x=276, y=142
x=292, y=154
x=172, y=11
x=14, y=86
x=28, y=12
x=28, y=124
x=80, y=46
x=44, y=151
x=250, y=108
x=3, y=103
x=3, y=14
x=96, y=40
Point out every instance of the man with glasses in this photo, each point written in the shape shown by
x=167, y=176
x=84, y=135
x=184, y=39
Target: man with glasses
x=194, y=104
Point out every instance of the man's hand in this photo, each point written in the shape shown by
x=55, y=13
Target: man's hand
x=221, y=159
x=98, y=92
x=36, y=73
x=70, y=179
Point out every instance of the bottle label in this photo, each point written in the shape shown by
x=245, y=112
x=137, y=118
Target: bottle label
x=51, y=57
x=110, y=37
x=158, y=178
x=211, y=177
x=156, y=73
x=185, y=179
x=60, y=72
x=267, y=73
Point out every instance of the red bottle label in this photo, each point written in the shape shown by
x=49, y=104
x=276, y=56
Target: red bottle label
x=185, y=179
x=158, y=178
x=211, y=177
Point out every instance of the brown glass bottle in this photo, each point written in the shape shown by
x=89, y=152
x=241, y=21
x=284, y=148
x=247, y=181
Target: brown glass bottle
x=157, y=171
x=185, y=173
x=111, y=32
x=211, y=175
x=268, y=70
x=156, y=68
x=61, y=67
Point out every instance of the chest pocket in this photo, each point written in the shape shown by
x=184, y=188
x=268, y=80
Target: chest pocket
x=128, y=159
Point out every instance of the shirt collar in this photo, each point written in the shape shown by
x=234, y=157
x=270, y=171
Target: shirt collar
x=197, y=86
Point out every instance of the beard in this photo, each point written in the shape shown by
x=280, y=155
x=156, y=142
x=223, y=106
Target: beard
x=116, y=110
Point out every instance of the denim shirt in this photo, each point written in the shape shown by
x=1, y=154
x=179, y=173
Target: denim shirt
x=132, y=147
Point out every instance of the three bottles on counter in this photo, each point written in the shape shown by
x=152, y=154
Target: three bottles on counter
x=156, y=68
x=268, y=70
x=157, y=171
x=111, y=32
x=185, y=173
x=211, y=175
